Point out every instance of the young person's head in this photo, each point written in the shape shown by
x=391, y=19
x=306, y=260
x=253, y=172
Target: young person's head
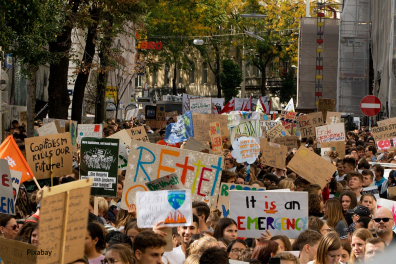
x=198, y=246
x=214, y=255
x=148, y=247
x=349, y=165
x=374, y=246
x=119, y=253
x=187, y=231
x=308, y=242
x=315, y=204
x=318, y=225
x=131, y=229
x=201, y=209
x=265, y=250
x=355, y=181
x=313, y=188
x=235, y=248
x=346, y=252
x=358, y=244
x=226, y=228
x=378, y=171
x=340, y=167
x=229, y=163
x=333, y=212
x=283, y=242
x=348, y=200
x=370, y=151
x=287, y=258
x=94, y=240
x=360, y=151
x=358, y=212
x=329, y=249
x=368, y=178
x=368, y=200
x=228, y=176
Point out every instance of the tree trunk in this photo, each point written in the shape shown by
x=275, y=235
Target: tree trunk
x=100, y=99
x=263, y=79
x=83, y=75
x=31, y=101
x=58, y=95
x=174, y=84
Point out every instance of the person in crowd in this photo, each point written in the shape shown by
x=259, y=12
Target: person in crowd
x=119, y=238
x=270, y=179
x=287, y=258
x=124, y=216
x=340, y=171
x=383, y=224
x=380, y=180
x=198, y=246
x=94, y=243
x=214, y=255
x=131, y=229
x=348, y=201
x=280, y=173
x=287, y=184
x=25, y=232
x=265, y=250
x=358, y=244
x=370, y=153
x=103, y=207
x=374, y=246
x=356, y=183
x=358, y=212
x=229, y=164
x=117, y=201
x=349, y=166
x=192, y=259
x=226, y=228
x=368, y=200
x=178, y=255
x=361, y=152
x=246, y=254
x=307, y=243
x=223, y=243
x=148, y=247
x=240, y=180
x=346, y=252
x=8, y=226
x=313, y=188
x=228, y=176
x=329, y=250
x=283, y=242
x=368, y=178
x=119, y=253
x=334, y=217
x=202, y=210
x=315, y=205
x=235, y=248
x=318, y=225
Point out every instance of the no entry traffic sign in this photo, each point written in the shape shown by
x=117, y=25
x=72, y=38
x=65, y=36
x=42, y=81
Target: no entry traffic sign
x=370, y=105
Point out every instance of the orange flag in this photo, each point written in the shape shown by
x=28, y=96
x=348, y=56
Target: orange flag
x=9, y=150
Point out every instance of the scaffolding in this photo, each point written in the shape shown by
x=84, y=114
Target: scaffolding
x=353, y=59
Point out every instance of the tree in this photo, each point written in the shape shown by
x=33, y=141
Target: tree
x=231, y=79
x=289, y=88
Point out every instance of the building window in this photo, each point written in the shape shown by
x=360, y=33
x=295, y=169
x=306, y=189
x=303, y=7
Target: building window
x=167, y=75
x=138, y=81
x=192, y=73
x=204, y=73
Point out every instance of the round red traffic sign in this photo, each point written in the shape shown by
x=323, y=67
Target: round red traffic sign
x=370, y=105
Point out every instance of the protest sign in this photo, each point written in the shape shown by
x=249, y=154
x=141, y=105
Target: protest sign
x=73, y=133
x=124, y=145
x=89, y=130
x=387, y=122
x=338, y=146
x=173, y=207
x=392, y=191
x=171, y=114
x=215, y=137
x=384, y=134
x=277, y=131
x=193, y=144
x=53, y=152
x=218, y=103
x=326, y=105
x=180, y=131
x=152, y=123
x=169, y=182
x=202, y=126
x=160, y=113
x=139, y=133
x=244, y=123
x=245, y=149
x=330, y=133
x=63, y=221
x=6, y=192
x=201, y=105
x=281, y=213
x=373, y=190
x=269, y=124
x=308, y=123
x=199, y=172
x=16, y=252
x=61, y=124
x=186, y=102
x=150, y=112
x=273, y=155
x=16, y=177
x=99, y=161
x=224, y=196
x=48, y=129
x=311, y=166
x=288, y=141
x=333, y=118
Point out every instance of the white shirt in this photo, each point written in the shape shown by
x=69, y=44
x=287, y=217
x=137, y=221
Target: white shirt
x=340, y=178
x=176, y=256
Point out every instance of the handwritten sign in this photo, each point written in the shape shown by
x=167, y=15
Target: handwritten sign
x=330, y=133
x=89, y=130
x=333, y=118
x=338, y=146
x=199, y=172
x=169, y=182
x=387, y=122
x=186, y=102
x=16, y=252
x=61, y=124
x=201, y=105
x=16, y=182
x=277, y=131
x=63, y=221
x=288, y=141
x=311, y=166
x=283, y=213
x=160, y=113
x=215, y=137
x=48, y=129
x=224, y=196
x=40, y=150
x=325, y=105
x=202, y=126
x=193, y=144
x=73, y=133
x=384, y=132
x=308, y=123
x=6, y=194
x=125, y=145
x=245, y=149
x=273, y=155
x=392, y=191
x=99, y=161
x=139, y=133
x=173, y=207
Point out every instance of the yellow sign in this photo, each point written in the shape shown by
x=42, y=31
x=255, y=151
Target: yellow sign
x=111, y=93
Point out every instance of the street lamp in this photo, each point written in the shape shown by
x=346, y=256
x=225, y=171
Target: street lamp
x=251, y=34
x=198, y=42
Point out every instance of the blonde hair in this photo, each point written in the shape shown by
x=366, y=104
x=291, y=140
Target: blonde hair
x=202, y=244
x=213, y=219
x=331, y=241
x=286, y=184
x=103, y=206
x=333, y=212
x=363, y=234
x=192, y=259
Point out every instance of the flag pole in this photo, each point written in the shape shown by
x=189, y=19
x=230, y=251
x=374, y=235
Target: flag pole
x=37, y=184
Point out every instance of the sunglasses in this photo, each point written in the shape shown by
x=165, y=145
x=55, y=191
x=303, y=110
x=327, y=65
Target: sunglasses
x=385, y=220
x=14, y=227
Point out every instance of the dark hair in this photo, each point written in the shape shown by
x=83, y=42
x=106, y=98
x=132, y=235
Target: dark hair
x=96, y=231
x=272, y=178
x=229, y=247
x=364, y=221
x=221, y=225
x=14, y=122
x=363, y=165
x=147, y=239
x=120, y=238
x=123, y=252
x=309, y=236
x=285, y=241
x=25, y=232
x=368, y=172
x=355, y=174
x=110, y=235
x=351, y=195
x=347, y=246
x=315, y=223
x=202, y=208
x=379, y=168
x=312, y=188
x=4, y=218
x=226, y=175
x=263, y=250
x=375, y=240
x=349, y=161
x=314, y=201
x=214, y=255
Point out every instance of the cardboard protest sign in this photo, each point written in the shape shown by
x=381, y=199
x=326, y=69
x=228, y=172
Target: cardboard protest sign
x=99, y=161
x=202, y=126
x=160, y=113
x=215, y=137
x=330, y=133
x=73, y=133
x=6, y=192
x=16, y=177
x=333, y=118
x=48, y=129
x=392, y=191
x=173, y=207
x=245, y=149
x=384, y=134
x=124, y=145
x=274, y=155
x=63, y=221
x=16, y=252
x=283, y=213
x=169, y=182
x=277, y=131
x=308, y=123
x=40, y=150
x=338, y=146
x=186, y=102
x=89, y=130
x=387, y=122
x=326, y=105
x=193, y=144
x=155, y=123
x=171, y=114
x=244, y=123
x=288, y=141
x=311, y=166
x=180, y=131
x=139, y=133
x=201, y=105
x=199, y=172
x=224, y=196
x=269, y=124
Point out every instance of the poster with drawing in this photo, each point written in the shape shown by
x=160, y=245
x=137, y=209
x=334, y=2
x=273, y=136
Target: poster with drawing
x=173, y=207
x=201, y=105
x=99, y=160
x=124, y=146
x=168, y=182
x=186, y=102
